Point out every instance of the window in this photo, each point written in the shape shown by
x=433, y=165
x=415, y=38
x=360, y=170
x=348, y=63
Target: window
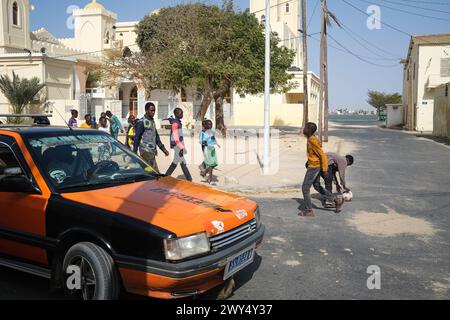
x=8, y=162
x=107, y=37
x=445, y=67
x=288, y=8
x=15, y=14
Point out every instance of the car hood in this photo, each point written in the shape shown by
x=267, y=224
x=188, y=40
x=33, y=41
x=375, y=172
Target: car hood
x=181, y=207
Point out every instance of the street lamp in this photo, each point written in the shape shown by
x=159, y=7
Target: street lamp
x=266, y=160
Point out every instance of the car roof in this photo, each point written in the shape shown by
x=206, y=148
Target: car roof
x=35, y=131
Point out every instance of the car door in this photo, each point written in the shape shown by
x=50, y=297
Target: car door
x=22, y=214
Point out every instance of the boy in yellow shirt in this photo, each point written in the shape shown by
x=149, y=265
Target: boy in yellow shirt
x=317, y=166
x=87, y=124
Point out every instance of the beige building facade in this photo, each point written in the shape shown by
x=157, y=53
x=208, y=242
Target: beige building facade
x=426, y=67
x=286, y=108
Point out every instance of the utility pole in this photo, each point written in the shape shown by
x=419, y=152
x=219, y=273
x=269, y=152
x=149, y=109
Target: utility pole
x=266, y=160
x=325, y=79
x=305, y=65
x=323, y=67
x=327, y=17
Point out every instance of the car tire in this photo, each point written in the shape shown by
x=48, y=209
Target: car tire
x=99, y=279
x=226, y=289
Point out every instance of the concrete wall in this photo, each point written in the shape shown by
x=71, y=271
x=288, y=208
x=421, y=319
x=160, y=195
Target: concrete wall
x=249, y=111
x=441, y=119
x=394, y=116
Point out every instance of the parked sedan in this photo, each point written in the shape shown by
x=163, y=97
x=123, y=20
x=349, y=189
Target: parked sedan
x=81, y=209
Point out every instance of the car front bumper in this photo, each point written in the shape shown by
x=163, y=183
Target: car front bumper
x=173, y=280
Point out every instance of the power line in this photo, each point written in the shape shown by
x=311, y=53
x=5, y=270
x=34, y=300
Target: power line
x=298, y=37
x=360, y=57
x=382, y=57
x=313, y=13
x=413, y=6
x=385, y=23
x=428, y=2
x=404, y=11
x=274, y=6
x=365, y=40
x=382, y=22
x=347, y=51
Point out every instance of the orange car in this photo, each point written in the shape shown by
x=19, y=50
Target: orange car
x=79, y=208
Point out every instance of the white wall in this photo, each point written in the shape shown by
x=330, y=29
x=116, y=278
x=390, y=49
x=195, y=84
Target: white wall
x=428, y=75
x=286, y=24
x=125, y=32
x=394, y=116
x=441, y=125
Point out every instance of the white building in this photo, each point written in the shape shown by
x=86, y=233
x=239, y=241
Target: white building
x=286, y=108
x=426, y=67
x=64, y=65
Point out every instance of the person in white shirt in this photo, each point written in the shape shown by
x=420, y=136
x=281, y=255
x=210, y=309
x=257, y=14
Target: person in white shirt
x=103, y=125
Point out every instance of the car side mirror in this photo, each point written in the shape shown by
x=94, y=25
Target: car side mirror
x=17, y=183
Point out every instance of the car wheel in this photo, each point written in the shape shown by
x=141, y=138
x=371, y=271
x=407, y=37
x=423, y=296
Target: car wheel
x=226, y=289
x=90, y=273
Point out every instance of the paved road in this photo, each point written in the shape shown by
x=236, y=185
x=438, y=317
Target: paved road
x=401, y=183
x=406, y=181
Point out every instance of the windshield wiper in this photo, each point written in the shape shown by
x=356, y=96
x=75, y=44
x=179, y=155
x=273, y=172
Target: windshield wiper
x=112, y=182
x=89, y=184
x=135, y=178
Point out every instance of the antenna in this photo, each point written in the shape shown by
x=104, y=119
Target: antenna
x=54, y=108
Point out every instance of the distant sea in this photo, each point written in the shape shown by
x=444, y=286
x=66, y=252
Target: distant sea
x=352, y=117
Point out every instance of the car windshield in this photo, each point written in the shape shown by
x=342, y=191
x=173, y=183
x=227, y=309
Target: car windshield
x=81, y=161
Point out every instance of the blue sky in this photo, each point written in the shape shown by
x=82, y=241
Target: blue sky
x=349, y=77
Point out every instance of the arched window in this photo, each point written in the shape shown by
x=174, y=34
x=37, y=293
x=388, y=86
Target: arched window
x=288, y=8
x=15, y=14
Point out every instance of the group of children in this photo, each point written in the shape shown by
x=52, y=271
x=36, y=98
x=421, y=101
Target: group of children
x=143, y=138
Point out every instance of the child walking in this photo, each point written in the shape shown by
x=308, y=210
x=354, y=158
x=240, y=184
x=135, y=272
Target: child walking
x=317, y=166
x=208, y=142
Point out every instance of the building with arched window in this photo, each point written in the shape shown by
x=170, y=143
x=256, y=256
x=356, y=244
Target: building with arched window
x=14, y=25
x=67, y=67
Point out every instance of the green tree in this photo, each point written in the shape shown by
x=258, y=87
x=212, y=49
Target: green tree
x=379, y=100
x=214, y=49
x=20, y=92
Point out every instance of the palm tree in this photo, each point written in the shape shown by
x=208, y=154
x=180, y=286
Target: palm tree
x=19, y=92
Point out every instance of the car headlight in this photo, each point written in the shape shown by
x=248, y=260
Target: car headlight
x=258, y=218
x=181, y=248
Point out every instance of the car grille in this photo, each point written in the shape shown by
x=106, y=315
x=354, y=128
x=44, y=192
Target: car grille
x=230, y=237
